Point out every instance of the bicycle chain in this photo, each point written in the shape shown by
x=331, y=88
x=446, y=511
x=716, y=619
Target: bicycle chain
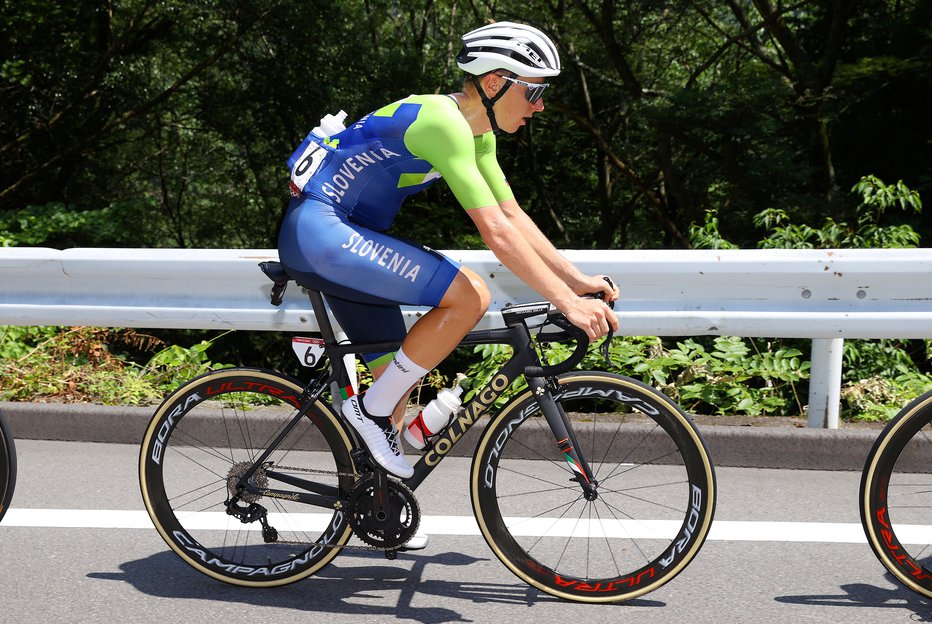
x=356, y=476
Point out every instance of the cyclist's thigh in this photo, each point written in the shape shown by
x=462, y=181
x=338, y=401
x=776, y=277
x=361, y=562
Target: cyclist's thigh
x=317, y=240
x=369, y=322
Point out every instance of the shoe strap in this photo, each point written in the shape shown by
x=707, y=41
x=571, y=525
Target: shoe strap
x=392, y=437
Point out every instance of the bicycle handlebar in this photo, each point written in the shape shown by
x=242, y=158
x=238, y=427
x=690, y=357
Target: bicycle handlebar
x=582, y=346
x=581, y=338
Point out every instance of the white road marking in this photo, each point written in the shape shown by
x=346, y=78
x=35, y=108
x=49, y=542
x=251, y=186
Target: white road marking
x=722, y=530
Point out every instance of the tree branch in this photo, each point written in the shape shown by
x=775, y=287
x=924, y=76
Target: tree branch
x=632, y=175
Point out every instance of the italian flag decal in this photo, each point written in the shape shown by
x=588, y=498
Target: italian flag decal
x=575, y=466
x=565, y=448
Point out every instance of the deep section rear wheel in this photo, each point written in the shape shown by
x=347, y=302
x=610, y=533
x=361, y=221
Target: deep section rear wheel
x=7, y=466
x=203, y=439
x=896, y=496
x=656, y=491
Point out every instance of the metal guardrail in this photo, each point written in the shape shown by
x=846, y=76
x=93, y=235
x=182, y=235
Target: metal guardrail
x=824, y=295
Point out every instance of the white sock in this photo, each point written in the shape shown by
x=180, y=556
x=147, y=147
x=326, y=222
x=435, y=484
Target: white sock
x=400, y=375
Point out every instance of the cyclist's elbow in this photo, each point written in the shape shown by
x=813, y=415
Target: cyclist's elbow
x=499, y=236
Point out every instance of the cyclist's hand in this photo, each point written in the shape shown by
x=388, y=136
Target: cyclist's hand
x=597, y=284
x=593, y=316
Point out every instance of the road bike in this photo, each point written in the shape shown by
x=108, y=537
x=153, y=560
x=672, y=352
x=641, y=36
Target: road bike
x=587, y=485
x=7, y=465
x=896, y=496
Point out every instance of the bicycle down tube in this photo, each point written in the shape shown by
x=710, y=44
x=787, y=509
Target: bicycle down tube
x=518, y=337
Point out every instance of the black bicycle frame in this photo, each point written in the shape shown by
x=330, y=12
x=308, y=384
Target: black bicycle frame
x=515, y=335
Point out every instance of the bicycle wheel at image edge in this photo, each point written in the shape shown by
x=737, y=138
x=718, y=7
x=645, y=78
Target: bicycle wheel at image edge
x=7, y=466
x=896, y=496
x=656, y=491
x=204, y=437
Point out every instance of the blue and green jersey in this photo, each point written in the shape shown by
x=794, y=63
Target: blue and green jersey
x=369, y=169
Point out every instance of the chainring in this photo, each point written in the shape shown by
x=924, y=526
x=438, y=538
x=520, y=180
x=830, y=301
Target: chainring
x=403, y=519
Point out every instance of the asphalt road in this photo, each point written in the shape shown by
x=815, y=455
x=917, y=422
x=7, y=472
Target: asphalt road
x=786, y=547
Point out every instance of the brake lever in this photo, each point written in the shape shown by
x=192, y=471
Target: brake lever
x=604, y=348
x=607, y=342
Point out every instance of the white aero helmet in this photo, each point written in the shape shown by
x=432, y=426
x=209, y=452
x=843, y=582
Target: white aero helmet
x=518, y=48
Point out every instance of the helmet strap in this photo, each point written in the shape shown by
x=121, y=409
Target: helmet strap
x=489, y=102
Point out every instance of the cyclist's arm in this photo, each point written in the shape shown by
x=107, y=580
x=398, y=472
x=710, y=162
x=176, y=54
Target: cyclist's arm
x=509, y=245
x=578, y=281
x=491, y=171
x=442, y=137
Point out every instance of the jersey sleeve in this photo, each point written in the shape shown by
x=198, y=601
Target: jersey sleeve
x=441, y=136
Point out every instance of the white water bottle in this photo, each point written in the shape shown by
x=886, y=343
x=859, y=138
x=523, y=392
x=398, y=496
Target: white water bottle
x=434, y=417
x=330, y=125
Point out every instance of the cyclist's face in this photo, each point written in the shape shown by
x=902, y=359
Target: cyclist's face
x=513, y=110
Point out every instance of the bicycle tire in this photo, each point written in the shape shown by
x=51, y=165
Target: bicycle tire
x=7, y=466
x=638, y=534
x=896, y=496
x=202, y=435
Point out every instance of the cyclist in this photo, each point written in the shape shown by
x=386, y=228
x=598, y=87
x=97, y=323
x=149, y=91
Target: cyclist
x=348, y=188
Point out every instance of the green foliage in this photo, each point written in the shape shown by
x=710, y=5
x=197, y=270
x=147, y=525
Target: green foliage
x=58, y=226
x=77, y=364
x=727, y=376
x=175, y=365
x=866, y=232
x=881, y=376
x=708, y=236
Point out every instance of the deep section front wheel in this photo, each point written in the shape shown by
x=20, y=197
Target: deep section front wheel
x=194, y=460
x=655, y=496
x=896, y=496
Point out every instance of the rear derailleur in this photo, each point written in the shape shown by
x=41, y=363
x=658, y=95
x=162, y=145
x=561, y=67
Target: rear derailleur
x=252, y=512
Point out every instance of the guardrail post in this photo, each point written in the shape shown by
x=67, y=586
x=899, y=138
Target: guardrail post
x=825, y=382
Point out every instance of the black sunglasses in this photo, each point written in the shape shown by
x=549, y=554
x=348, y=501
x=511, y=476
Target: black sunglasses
x=535, y=90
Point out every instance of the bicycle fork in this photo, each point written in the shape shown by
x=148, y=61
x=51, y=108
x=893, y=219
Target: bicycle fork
x=565, y=438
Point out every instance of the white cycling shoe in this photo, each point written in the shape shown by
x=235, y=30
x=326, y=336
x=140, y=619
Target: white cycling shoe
x=418, y=541
x=380, y=436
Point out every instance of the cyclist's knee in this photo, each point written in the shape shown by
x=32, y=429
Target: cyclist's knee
x=469, y=293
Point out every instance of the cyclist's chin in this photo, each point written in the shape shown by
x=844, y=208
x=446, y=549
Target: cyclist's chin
x=514, y=126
